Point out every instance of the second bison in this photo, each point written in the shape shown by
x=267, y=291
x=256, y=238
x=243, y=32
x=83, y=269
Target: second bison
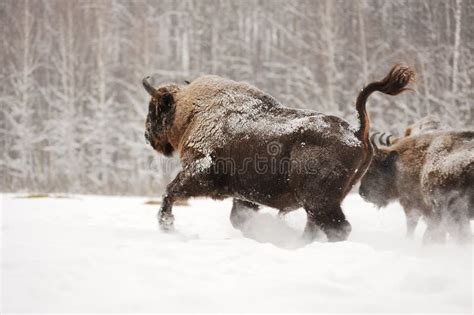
x=432, y=175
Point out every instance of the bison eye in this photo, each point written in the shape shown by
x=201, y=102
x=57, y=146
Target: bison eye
x=166, y=101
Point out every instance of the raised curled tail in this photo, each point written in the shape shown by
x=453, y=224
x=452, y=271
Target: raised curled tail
x=394, y=83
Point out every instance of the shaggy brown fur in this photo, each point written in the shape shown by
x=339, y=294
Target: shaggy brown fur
x=311, y=160
x=432, y=175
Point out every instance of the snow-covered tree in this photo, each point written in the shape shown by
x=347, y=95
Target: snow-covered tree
x=73, y=108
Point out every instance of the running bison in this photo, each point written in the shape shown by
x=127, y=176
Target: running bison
x=236, y=141
x=432, y=175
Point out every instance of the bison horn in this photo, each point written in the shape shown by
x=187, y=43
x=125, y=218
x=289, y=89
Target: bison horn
x=148, y=87
x=372, y=139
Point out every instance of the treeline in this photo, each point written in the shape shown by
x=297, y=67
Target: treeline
x=73, y=109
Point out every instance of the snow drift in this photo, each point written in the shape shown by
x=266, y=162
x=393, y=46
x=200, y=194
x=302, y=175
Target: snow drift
x=106, y=254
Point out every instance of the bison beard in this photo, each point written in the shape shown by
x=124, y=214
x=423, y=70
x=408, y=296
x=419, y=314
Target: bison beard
x=312, y=160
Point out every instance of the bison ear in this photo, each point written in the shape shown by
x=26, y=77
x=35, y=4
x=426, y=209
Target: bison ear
x=407, y=132
x=166, y=101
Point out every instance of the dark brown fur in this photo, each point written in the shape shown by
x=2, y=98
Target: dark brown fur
x=213, y=120
x=432, y=175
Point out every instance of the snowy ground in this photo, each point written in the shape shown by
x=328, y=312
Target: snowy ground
x=105, y=254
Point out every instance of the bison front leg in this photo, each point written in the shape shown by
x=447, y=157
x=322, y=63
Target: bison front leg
x=435, y=229
x=165, y=214
x=185, y=185
x=412, y=217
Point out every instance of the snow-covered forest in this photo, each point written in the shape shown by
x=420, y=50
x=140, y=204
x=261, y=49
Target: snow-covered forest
x=73, y=108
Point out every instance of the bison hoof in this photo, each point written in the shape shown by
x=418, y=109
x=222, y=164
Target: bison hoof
x=241, y=218
x=165, y=221
x=339, y=233
x=434, y=236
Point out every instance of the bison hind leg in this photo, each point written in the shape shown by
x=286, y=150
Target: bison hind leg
x=241, y=212
x=450, y=216
x=459, y=227
x=330, y=219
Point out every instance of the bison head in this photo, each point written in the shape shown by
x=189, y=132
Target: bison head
x=160, y=117
x=378, y=184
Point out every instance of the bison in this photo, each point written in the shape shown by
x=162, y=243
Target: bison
x=236, y=141
x=427, y=124
x=432, y=175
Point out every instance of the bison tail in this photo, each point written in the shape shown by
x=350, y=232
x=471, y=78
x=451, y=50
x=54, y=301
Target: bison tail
x=394, y=83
